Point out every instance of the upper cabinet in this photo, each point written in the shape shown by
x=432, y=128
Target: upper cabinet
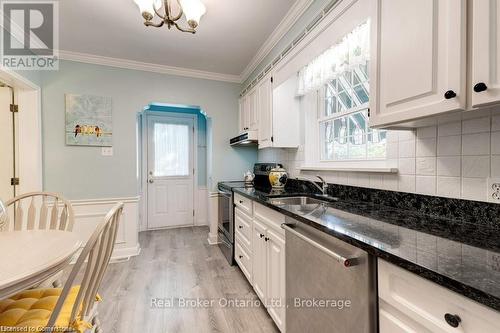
x=485, y=62
x=274, y=112
x=249, y=116
x=418, y=64
x=264, y=90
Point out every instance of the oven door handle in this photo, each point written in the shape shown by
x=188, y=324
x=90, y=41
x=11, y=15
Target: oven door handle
x=224, y=194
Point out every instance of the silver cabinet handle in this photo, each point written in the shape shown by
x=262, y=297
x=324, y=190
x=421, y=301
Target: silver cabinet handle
x=151, y=181
x=346, y=262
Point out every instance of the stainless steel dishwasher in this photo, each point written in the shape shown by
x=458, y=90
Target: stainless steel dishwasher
x=330, y=285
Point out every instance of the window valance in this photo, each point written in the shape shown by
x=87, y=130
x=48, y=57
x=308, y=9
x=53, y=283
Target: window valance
x=353, y=50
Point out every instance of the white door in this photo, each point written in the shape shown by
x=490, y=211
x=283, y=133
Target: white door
x=6, y=146
x=265, y=113
x=485, y=85
x=259, y=265
x=170, y=171
x=418, y=59
x=276, y=278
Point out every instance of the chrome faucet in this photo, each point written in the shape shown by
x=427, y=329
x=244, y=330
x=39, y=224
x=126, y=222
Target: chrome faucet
x=323, y=188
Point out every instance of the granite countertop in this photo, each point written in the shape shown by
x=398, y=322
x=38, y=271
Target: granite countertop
x=462, y=257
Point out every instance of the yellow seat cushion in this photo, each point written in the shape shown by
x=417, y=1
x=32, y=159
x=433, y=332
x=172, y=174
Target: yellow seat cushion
x=30, y=310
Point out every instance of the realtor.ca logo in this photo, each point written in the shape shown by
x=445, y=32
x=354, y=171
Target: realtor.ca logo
x=30, y=35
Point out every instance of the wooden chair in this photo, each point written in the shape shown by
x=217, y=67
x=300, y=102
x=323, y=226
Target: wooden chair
x=72, y=308
x=42, y=211
x=45, y=210
x=3, y=215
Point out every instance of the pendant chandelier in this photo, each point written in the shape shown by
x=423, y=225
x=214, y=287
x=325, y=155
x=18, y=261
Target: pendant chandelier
x=192, y=9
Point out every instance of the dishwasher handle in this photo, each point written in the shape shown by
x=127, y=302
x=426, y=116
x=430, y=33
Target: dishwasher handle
x=346, y=262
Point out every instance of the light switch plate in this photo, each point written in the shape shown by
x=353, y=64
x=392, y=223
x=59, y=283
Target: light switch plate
x=107, y=151
x=494, y=190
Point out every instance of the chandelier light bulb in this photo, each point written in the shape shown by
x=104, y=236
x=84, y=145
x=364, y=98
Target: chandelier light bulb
x=146, y=8
x=194, y=10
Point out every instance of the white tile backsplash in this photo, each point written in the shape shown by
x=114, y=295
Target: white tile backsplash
x=476, y=166
x=495, y=166
x=495, y=123
x=474, y=188
x=454, y=159
x=448, y=187
x=407, y=148
x=476, y=144
x=426, y=147
x=477, y=125
x=448, y=129
x=425, y=185
x=426, y=166
x=449, y=166
x=426, y=132
x=495, y=143
x=449, y=145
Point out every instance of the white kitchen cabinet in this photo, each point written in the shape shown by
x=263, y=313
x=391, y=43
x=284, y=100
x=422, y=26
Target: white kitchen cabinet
x=276, y=277
x=485, y=53
x=418, y=62
x=259, y=262
x=248, y=113
x=285, y=115
x=264, y=89
x=409, y=303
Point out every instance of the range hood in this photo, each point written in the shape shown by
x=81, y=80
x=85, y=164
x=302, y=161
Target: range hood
x=245, y=139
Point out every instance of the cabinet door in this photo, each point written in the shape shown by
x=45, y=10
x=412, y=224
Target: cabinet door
x=241, y=120
x=265, y=113
x=418, y=59
x=259, y=262
x=253, y=116
x=276, y=278
x=485, y=52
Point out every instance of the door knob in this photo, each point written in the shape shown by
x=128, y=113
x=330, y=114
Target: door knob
x=450, y=94
x=480, y=87
x=151, y=181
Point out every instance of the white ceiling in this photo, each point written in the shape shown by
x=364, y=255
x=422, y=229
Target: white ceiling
x=229, y=35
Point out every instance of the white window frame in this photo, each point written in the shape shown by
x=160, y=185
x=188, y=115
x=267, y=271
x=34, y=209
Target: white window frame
x=312, y=106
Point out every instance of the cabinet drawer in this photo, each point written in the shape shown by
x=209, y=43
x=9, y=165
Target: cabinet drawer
x=425, y=303
x=243, y=258
x=246, y=205
x=243, y=227
x=270, y=217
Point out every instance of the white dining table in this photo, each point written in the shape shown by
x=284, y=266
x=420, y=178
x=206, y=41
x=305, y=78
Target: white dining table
x=28, y=258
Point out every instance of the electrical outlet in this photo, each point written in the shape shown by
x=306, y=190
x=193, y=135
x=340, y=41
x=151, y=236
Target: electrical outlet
x=494, y=261
x=107, y=151
x=494, y=190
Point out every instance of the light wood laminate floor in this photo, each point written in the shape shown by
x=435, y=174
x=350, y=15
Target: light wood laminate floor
x=176, y=265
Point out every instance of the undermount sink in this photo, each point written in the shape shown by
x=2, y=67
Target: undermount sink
x=297, y=201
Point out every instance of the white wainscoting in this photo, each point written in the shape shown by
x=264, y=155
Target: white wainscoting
x=213, y=215
x=201, y=207
x=89, y=213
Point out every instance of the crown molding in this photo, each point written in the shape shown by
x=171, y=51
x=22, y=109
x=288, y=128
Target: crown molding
x=296, y=11
x=146, y=67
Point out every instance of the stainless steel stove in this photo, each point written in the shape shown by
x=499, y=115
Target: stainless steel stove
x=226, y=206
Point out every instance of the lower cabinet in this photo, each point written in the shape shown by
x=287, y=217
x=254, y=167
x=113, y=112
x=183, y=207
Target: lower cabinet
x=261, y=257
x=276, y=277
x=409, y=303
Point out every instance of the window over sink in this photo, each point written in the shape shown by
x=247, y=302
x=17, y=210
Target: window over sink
x=336, y=93
x=343, y=119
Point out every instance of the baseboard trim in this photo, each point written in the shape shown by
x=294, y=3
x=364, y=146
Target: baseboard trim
x=126, y=253
x=213, y=239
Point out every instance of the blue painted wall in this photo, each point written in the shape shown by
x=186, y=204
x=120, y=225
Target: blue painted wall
x=83, y=173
